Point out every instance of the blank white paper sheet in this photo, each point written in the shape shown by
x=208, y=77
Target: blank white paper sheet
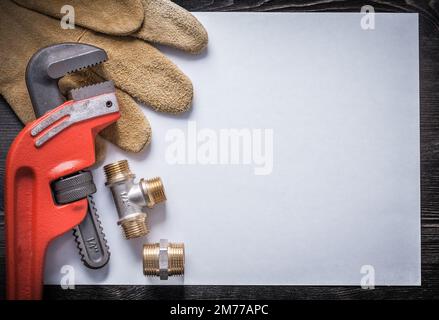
x=299, y=163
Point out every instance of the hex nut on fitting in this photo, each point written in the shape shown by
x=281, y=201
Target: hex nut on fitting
x=163, y=259
x=132, y=198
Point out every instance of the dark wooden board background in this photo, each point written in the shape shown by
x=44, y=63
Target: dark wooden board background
x=429, y=94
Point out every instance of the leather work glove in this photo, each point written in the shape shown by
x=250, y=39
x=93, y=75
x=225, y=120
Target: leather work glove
x=121, y=27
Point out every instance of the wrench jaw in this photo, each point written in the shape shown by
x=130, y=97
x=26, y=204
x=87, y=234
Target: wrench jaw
x=92, y=90
x=50, y=64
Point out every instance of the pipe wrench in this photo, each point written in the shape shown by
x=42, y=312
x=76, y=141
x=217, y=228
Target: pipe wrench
x=48, y=188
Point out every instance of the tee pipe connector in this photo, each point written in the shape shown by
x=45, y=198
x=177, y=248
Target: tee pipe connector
x=131, y=198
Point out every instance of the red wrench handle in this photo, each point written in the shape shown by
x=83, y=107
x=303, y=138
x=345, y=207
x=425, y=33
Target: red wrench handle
x=32, y=217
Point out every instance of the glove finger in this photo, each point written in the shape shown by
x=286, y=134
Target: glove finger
x=169, y=24
x=132, y=132
x=143, y=72
x=119, y=17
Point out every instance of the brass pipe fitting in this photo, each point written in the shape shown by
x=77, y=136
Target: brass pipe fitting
x=131, y=198
x=163, y=259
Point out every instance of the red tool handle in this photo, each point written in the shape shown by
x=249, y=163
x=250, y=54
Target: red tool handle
x=32, y=217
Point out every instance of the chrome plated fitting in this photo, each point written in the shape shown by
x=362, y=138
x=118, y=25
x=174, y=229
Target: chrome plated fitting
x=163, y=259
x=131, y=198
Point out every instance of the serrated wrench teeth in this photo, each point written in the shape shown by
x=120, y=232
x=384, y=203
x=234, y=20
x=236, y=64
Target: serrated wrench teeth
x=93, y=90
x=90, y=239
x=49, y=64
x=76, y=59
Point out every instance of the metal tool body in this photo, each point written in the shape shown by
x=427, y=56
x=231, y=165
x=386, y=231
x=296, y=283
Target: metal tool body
x=42, y=75
x=41, y=201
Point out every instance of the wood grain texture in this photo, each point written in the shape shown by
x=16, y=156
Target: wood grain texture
x=429, y=98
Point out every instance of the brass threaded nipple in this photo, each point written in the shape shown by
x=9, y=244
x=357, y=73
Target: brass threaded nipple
x=155, y=190
x=135, y=227
x=117, y=171
x=163, y=259
x=150, y=259
x=176, y=259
